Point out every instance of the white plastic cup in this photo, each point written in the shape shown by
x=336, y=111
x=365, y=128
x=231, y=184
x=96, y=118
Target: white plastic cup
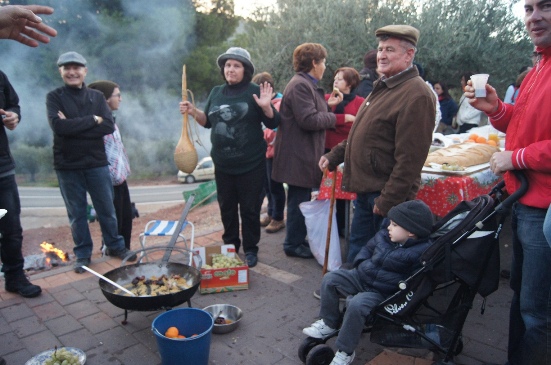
x=479, y=83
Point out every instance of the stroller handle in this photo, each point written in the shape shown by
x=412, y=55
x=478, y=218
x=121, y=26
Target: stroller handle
x=506, y=205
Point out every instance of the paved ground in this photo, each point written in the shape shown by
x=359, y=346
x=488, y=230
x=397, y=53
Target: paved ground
x=72, y=311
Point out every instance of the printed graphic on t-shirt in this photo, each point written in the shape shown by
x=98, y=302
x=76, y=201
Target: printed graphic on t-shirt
x=228, y=132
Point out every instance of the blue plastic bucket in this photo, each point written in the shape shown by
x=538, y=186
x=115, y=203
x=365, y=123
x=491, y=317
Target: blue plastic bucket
x=184, y=351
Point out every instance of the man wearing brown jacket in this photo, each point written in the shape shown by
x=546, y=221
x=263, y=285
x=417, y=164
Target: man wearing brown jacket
x=389, y=141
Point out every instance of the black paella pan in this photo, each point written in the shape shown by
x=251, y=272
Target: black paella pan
x=125, y=274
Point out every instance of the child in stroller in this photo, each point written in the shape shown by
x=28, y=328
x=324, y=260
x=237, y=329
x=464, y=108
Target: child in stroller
x=387, y=259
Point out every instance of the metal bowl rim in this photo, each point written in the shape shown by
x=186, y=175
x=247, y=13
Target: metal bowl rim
x=235, y=321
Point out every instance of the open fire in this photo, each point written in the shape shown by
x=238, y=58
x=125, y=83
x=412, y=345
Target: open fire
x=54, y=253
x=51, y=257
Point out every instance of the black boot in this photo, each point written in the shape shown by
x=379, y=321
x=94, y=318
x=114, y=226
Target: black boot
x=2, y=361
x=18, y=283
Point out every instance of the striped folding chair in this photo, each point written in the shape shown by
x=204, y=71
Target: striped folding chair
x=159, y=228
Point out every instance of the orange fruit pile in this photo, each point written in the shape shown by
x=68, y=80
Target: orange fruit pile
x=475, y=138
x=172, y=332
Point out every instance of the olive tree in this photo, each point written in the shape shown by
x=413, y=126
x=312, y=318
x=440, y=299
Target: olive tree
x=479, y=36
x=345, y=28
x=483, y=36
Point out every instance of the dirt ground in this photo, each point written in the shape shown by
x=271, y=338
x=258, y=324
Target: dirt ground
x=205, y=218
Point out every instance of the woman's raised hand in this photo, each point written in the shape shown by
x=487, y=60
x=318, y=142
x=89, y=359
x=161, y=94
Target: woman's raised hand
x=265, y=99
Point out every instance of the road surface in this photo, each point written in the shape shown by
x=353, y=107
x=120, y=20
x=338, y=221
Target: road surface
x=44, y=207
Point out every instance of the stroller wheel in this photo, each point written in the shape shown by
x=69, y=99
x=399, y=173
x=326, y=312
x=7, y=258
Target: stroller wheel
x=320, y=355
x=307, y=344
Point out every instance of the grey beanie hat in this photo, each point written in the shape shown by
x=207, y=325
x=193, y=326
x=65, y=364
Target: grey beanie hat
x=414, y=216
x=71, y=57
x=236, y=53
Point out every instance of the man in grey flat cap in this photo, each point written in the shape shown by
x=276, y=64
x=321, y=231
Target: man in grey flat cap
x=390, y=139
x=79, y=118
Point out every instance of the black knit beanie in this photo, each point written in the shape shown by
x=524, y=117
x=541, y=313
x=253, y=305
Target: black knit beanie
x=414, y=216
x=106, y=87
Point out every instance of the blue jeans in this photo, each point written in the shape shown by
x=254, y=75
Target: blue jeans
x=530, y=315
x=73, y=185
x=361, y=300
x=547, y=226
x=10, y=227
x=296, y=226
x=275, y=193
x=364, y=224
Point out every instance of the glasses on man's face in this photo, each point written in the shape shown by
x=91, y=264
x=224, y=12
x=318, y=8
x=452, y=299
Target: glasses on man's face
x=116, y=95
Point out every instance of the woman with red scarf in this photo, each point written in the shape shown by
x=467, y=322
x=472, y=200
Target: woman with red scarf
x=346, y=79
x=448, y=107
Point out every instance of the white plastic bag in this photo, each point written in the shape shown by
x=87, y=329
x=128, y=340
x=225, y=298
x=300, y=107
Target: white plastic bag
x=316, y=216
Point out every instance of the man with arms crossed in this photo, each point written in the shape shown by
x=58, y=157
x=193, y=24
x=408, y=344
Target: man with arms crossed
x=79, y=118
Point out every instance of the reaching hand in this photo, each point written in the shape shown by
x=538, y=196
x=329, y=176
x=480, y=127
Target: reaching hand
x=17, y=23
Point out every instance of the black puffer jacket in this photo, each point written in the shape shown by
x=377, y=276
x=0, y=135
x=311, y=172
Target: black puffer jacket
x=382, y=264
x=9, y=101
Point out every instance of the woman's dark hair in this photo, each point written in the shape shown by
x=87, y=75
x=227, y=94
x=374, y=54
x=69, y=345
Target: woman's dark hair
x=350, y=75
x=467, y=75
x=305, y=54
x=521, y=77
x=247, y=74
x=370, y=59
x=262, y=78
x=445, y=90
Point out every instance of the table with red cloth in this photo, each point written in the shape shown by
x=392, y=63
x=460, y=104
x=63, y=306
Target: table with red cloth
x=444, y=191
x=441, y=191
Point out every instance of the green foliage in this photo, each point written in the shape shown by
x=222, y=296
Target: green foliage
x=479, y=36
x=202, y=70
x=149, y=159
x=32, y=160
x=142, y=46
x=213, y=26
x=455, y=36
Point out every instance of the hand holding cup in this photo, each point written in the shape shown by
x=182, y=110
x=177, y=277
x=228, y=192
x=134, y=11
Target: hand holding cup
x=479, y=82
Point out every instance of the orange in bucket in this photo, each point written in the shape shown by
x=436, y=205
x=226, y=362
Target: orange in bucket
x=172, y=332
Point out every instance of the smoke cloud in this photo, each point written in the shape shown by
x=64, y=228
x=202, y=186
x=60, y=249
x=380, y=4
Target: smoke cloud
x=142, y=52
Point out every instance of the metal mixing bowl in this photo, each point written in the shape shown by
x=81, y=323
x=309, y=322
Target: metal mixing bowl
x=227, y=311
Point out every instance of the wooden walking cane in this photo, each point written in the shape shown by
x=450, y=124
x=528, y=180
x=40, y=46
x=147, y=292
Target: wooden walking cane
x=330, y=222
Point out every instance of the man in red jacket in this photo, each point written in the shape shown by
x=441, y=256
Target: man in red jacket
x=528, y=148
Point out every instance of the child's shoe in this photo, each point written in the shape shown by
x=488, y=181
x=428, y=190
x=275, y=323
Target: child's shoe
x=318, y=329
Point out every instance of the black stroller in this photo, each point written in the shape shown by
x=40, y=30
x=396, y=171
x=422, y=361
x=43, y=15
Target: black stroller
x=431, y=306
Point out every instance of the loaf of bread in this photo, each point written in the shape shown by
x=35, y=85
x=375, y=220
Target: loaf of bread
x=462, y=154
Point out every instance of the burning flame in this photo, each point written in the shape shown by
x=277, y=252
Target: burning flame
x=48, y=247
